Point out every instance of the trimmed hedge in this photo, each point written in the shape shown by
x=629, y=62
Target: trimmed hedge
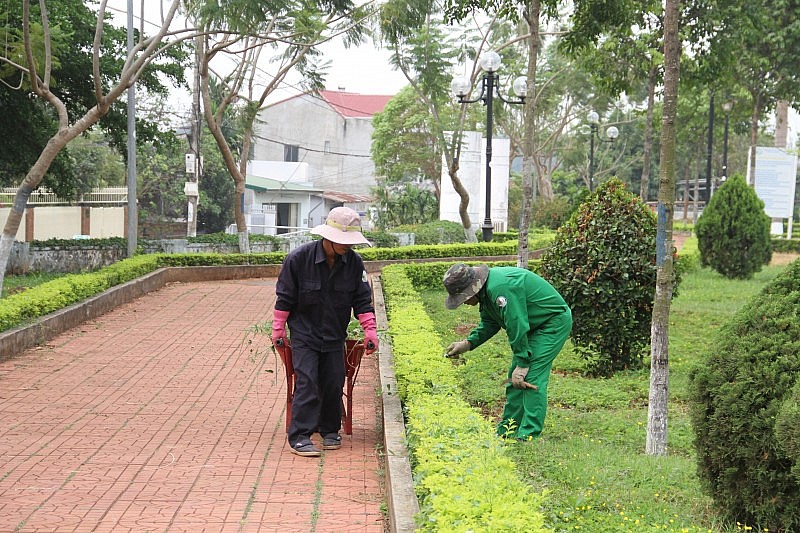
x=463, y=478
x=51, y=296
x=745, y=410
x=603, y=262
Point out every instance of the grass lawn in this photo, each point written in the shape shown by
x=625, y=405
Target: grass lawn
x=590, y=458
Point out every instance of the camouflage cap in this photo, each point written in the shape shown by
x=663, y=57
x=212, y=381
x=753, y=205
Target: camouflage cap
x=463, y=282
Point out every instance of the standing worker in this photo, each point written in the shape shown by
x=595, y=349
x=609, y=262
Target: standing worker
x=537, y=321
x=319, y=285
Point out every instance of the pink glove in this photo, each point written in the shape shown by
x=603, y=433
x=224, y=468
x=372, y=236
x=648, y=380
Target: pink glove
x=367, y=321
x=279, y=319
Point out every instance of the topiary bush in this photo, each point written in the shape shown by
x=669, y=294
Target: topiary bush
x=602, y=261
x=744, y=408
x=733, y=231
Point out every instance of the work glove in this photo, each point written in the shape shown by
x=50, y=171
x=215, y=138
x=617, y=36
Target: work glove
x=458, y=347
x=367, y=321
x=518, y=379
x=279, y=319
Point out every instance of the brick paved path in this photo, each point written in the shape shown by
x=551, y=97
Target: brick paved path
x=156, y=417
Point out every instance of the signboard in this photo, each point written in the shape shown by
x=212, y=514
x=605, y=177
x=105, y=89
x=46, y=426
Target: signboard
x=775, y=178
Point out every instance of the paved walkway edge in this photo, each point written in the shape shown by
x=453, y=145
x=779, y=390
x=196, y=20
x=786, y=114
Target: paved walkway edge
x=400, y=495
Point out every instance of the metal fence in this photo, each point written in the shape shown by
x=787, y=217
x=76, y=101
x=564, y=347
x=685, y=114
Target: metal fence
x=43, y=196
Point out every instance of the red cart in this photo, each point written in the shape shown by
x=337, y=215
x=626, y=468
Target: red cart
x=353, y=352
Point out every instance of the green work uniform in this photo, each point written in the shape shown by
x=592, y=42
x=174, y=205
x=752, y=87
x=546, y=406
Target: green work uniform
x=537, y=321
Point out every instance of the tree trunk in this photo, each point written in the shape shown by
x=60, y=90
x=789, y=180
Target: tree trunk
x=644, y=185
x=528, y=142
x=751, y=169
x=227, y=155
x=659, y=338
x=781, y=124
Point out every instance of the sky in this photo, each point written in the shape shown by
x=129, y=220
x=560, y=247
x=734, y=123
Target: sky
x=363, y=70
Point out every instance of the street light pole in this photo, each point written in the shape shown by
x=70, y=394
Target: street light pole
x=488, y=89
x=726, y=107
x=611, y=135
x=490, y=63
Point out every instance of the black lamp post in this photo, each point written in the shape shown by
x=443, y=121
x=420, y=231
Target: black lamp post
x=611, y=135
x=726, y=107
x=461, y=87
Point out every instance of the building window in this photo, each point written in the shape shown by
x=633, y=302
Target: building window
x=291, y=152
x=327, y=147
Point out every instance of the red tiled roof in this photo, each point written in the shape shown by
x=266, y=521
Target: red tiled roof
x=346, y=198
x=353, y=105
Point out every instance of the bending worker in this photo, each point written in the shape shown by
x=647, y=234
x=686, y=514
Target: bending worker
x=537, y=321
x=319, y=285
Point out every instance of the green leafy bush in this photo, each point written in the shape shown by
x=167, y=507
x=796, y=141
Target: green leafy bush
x=382, y=239
x=744, y=409
x=551, y=213
x=788, y=246
x=439, y=232
x=603, y=263
x=110, y=242
x=733, y=231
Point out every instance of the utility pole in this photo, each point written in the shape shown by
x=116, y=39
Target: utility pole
x=133, y=214
x=193, y=159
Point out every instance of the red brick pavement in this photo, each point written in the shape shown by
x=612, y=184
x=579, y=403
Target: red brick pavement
x=158, y=417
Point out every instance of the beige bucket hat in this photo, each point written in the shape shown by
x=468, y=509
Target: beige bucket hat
x=343, y=226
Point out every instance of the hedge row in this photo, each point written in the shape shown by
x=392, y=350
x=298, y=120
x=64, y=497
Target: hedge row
x=22, y=308
x=463, y=478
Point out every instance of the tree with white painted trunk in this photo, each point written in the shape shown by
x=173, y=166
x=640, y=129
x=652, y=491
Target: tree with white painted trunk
x=35, y=56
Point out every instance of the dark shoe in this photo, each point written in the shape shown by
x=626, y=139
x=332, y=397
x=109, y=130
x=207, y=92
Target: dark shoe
x=305, y=449
x=331, y=441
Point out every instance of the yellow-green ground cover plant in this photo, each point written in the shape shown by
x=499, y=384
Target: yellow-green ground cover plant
x=462, y=476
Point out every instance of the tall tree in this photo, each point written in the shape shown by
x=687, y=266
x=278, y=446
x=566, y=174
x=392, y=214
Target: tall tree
x=752, y=45
x=29, y=122
x=236, y=36
x=589, y=18
x=35, y=58
x=656, y=443
x=424, y=50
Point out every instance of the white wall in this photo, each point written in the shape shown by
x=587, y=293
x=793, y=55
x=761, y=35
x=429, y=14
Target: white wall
x=311, y=124
x=64, y=222
x=472, y=173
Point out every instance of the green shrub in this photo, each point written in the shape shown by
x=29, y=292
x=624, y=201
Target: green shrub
x=106, y=243
x=733, y=231
x=439, y=232
x=787, y=246
x=603, y=263
x=382, y=239
x=551, y=213
x=744, y=409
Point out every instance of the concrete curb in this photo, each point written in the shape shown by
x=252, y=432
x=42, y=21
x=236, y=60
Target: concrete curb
x=400, y=495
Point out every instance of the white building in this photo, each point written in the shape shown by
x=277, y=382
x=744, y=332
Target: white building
x=330, y=132
x=280, y=199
